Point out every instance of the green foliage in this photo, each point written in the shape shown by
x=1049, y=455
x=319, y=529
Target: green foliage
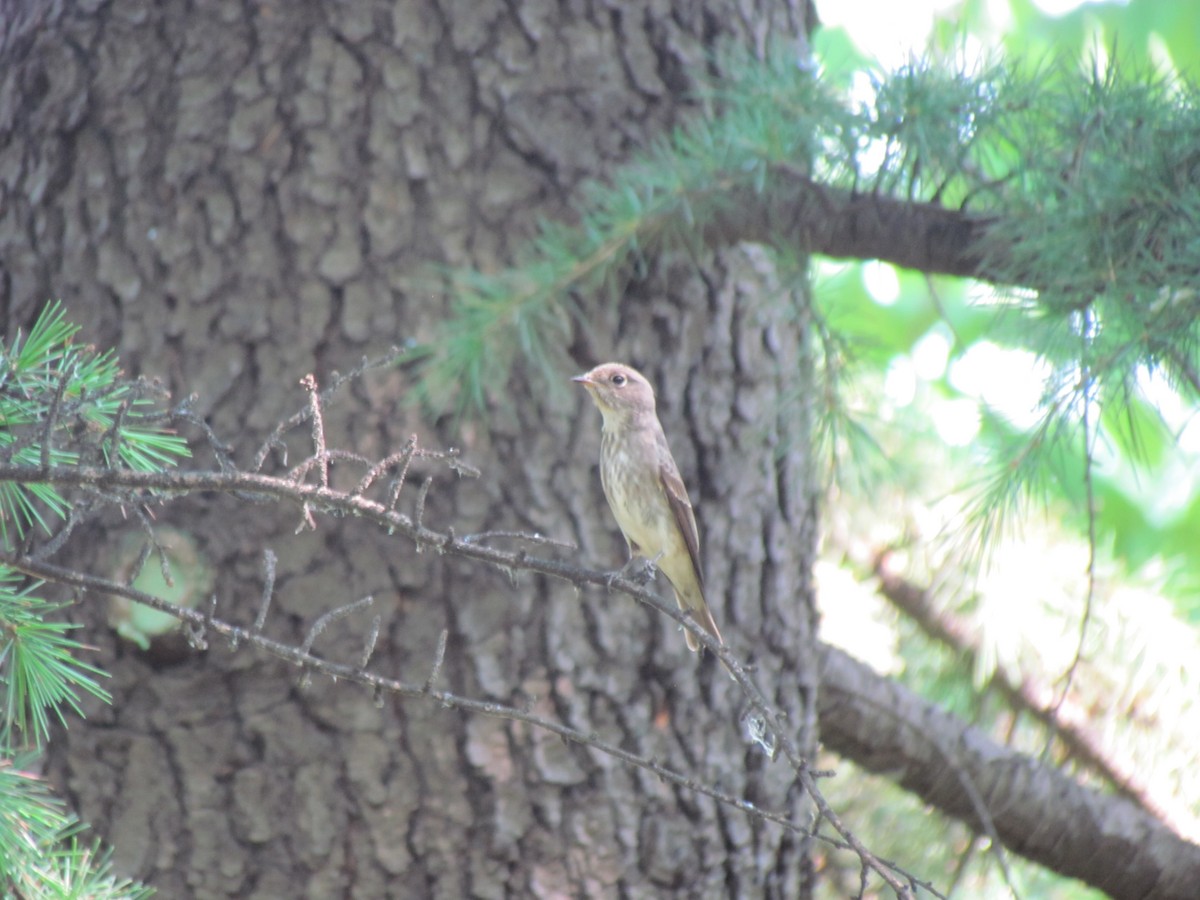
x=1084, y=171
x=40, y=851
x=1135, y=27
x=40, y=674
x=61, y=404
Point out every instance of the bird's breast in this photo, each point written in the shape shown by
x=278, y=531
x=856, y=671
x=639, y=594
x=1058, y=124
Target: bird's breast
x=629, y=474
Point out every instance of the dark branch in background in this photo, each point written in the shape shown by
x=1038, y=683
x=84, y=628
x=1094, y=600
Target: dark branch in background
x=1040, y=813
x=814, y=218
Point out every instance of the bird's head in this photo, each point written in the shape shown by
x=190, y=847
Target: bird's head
x=621, y=393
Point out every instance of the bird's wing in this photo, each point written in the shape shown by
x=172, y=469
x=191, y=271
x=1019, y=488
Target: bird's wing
x=681, y=509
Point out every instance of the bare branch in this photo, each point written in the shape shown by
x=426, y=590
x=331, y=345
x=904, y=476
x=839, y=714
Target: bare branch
x=458, y=465
x=269, y=562
x=221, y=451
x=398, y=485
x=320, y=497
x=275, y=438
x=529, y=537
x=849, y=225
x=142, y=558
x=164, y=565
x=401, y=458
x=329, y=618
x=309, y=383
x=75, y=516
x=424, y=492
x=298, y=656
x=137, y=484
x=303, y=468
x=306, y=518
x=439, y=657
x=369, y=641
x=117, y=429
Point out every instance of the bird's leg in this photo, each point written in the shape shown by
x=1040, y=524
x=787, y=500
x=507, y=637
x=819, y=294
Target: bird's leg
x=638, y=570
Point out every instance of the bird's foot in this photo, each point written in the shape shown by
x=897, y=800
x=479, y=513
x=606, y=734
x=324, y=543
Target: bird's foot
x=639, y=570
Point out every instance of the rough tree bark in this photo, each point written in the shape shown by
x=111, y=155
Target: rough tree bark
x=233, y=195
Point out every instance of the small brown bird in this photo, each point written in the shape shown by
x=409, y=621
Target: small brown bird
x=643, y=487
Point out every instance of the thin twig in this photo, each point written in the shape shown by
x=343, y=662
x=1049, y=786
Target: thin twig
x=142, y=558
x=1087, y=387
x=459, y=466
x=398, y=485
x=221, y=451
x=164, y=565
x=421, y=495
x=439, y=656
x=309, y=382
x=329, y=618
x=269, y=561
x=275, y=438
x=52, y=418
x=529, y=537
x=302, y=469
x=369, y=641
x=306, y=519
x=116, y=431
x=75, y=516
x=399, y=458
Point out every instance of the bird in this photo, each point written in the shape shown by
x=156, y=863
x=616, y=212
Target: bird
x=644, y=489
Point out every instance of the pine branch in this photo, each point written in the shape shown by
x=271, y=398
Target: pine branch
x=1070, y=185
x=817, y=218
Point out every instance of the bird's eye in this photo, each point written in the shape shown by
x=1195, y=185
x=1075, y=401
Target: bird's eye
x=618, y=379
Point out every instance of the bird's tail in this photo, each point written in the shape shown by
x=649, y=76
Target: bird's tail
x=694, y=602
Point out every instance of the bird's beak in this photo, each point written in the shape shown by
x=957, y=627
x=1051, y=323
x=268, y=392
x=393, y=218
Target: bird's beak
x=584, y=380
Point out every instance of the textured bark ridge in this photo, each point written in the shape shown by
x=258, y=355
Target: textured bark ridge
x=235, y=195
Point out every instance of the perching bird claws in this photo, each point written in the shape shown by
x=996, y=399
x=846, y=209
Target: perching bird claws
x=639, y=570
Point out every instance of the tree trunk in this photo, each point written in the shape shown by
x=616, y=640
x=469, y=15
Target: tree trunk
x=233, y=196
